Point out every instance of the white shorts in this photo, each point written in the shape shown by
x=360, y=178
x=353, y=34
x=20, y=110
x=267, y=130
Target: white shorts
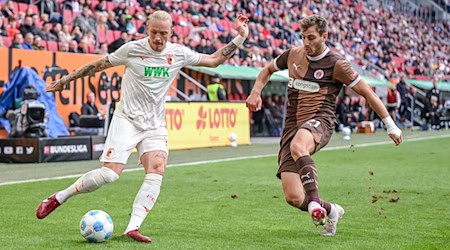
x=123, y=137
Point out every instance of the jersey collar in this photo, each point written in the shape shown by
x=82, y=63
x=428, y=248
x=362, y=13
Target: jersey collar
x=317, y=58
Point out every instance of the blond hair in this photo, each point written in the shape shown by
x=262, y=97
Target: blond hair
x=317, y=20
x=160, y=15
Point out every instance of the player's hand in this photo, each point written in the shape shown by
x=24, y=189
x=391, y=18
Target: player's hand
x=242, y=27
x=55, y=86
x=396, y=135
x=254, y=102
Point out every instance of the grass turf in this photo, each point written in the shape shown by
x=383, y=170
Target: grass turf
x=195, y=209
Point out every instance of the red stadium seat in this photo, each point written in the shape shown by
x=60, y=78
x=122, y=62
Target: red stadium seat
x=110, y=36
x=7, y=41
x=230, y=97
x=101, y=36
x=68, y=16
x=52, y=46
x=44, y=44
x=116, y=35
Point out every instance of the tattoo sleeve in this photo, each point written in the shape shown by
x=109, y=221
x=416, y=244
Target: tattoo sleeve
x=87, y=69
x=229, y=49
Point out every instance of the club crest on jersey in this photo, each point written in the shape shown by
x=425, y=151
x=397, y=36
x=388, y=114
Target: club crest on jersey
x=109, y=152
x=318, y=74
x=170, y=59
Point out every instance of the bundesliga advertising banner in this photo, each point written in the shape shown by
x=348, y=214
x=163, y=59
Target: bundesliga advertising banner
x=190, y=125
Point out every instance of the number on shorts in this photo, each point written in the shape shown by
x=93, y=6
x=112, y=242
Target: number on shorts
x=313, y=123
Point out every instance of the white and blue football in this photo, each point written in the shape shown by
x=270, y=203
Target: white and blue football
x=96, y=226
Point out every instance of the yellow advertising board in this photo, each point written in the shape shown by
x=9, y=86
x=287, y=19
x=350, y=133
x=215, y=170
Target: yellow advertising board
x=190, y=125
x=206, y=124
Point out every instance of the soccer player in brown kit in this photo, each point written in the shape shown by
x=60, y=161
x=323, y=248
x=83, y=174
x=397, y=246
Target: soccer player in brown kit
x=316, y=75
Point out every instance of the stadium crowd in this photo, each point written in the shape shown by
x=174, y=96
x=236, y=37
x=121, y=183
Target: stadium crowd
x=380, y=39
x=394, y=42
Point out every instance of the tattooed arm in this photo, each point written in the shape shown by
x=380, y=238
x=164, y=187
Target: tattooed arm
x=226, y=52
x=86, y=70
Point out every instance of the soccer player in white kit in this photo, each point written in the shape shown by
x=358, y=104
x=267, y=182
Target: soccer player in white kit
x=139, y=120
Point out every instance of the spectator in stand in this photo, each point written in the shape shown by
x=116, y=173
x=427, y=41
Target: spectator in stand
x=28, y=26
x=73, y=47
x=37, y=43
x=86, y=21
x=11, y=27
x=403, y=91
x=225, y=37
x=46, y=34
x=89, y=108
x=1, y=43
x=434, y=91
x=124, y=38
x=50, y=8
x=8, y=9
x=112, y=22
x=76, y=33
x=102, y=49
x=64, y=35
x=57, y=28
x=2, y=27
x=101, y=7
x=64, y=47
x=432, y=113
x=393, y=102
x=82, y=47
x=28, y=41
x=17, y=42
x=121, y=9
x=201, y=47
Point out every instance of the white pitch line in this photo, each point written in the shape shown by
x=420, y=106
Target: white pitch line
x=226, y=159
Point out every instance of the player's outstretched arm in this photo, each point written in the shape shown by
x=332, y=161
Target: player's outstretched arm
x=86, y=70
x=254, y=102
x=393, y=131
x=226, y=52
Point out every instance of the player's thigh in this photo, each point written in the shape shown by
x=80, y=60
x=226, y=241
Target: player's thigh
x=313, y=135
x=153, y=150
x=121, y=140
x=292, y=187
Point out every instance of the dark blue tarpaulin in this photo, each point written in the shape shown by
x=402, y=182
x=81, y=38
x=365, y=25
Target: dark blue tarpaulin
x=14, y=88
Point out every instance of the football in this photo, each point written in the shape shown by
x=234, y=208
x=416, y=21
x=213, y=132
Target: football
x=96, y=226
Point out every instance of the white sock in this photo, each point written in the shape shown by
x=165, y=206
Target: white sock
x=89, y=182
x=313, y=205
x=333, y=212
x=144, y=201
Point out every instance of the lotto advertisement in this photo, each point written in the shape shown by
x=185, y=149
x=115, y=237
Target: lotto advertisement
x=207, y=124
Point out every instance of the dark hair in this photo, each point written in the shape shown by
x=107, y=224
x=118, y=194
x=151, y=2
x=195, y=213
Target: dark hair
x=317, y=20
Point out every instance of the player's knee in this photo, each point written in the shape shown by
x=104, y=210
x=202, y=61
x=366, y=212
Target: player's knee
x=109, y=175
x=298, y=150
x=157, y=167
x=294, y=200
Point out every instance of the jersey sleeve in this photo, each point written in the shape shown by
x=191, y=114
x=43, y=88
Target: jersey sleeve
x=120, y=56
x=281, y=61
x=344, y=73
x=192, y=58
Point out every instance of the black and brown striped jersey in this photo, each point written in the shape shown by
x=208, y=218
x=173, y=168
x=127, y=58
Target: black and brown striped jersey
x=314, y=83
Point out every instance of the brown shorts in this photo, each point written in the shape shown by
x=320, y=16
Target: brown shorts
x=321, y=133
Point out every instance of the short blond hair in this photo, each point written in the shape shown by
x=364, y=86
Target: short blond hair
x=160, y=15
x=317, y=20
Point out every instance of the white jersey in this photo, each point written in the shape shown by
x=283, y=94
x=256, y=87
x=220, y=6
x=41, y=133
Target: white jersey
x=148, y=76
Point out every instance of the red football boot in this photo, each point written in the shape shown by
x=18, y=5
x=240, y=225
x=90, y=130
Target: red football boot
x=47, y=206
x=137, y=236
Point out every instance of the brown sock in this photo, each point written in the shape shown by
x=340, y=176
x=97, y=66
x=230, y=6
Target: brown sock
x=324, y=204
x=308, y=176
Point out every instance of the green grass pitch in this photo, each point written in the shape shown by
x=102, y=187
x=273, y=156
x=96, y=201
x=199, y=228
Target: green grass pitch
x=394, y=198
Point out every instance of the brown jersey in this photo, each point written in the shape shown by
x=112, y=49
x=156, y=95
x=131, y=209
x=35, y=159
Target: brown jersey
x=314, y=83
